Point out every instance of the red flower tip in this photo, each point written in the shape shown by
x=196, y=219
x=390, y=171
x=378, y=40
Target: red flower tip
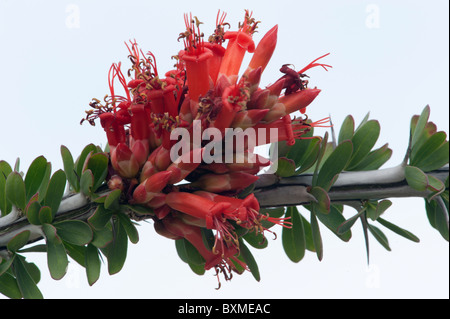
x=124, y=161
x=264, y=50
x=153, y=185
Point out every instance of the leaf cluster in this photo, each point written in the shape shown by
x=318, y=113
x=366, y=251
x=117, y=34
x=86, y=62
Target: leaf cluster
x=104, y=233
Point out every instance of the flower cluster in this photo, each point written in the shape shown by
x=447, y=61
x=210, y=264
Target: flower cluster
x=204, y=89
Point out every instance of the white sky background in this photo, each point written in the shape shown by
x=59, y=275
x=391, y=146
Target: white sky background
x=388, y=57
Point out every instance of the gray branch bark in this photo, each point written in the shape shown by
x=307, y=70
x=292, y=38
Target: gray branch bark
x=270, y=190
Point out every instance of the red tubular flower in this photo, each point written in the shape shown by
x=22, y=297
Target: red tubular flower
x=227, y=111
x=159, y=160
x=115, y=131
x=124, y=161
x=263, y=51
x=239, y=43
x=222, y=260
x=246, y=211
x=197, y=73
x=287, y=130
x=140, y=133
x=266, y=98
x=214, y=62
x=195, y=57
x=215, y=215
x=153, y=185
x=235, y=181
x=196, y=206
x=162, y=230
x=247, y=162
x=290, y=103
x=246, y=119
x=203, y=89
x=215, y=45
x=184, y=165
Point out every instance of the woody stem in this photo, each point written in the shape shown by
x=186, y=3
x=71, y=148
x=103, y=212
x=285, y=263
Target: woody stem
x=270, y=190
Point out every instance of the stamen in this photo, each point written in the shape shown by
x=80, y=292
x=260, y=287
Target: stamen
x=313, y=64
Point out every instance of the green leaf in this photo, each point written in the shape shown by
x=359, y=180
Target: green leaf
x=100, y=217
x=5, y=169
x=5, y=205
x=25, y=282
x=69, y=168
x=422, y=154
x=18, y=241
x=87, y=182
x=317, y=238
x=45, y=215
x=298, y=152
x=44, y=185
x=378, y=209
x=323, y=147
x=258, y=241
x=188, y=253
x=416, y=178
x=77, y=253
x=208, y=238
x=98, y=164
x=32, y=210
x=310, y=157
x=438, y=217
x=364, y=121
x=418, y=129
x=112, y=200
x=333, y=220
x=334, y=165
x=80, y=162
x=32, y=269
x=348, y=224
x=5, y=264
x=347, y=129
x=116, y=251
x=249, y=260
x=102, y=237
x=375, y=159
x=308, y=234
x=56, y=253
x=436, y=186
x=323, y=200
x=285, y=167
x=75, y=232
x=379, y=236
x=9, y=287
x=197, y=269
x=40, y=248
x=55, y=191
x=363, y=141
x=437, y=159
x=399, y=231
x=93, y=264
x=129, y=227
x=293, y=239
x=35, y=176
x=15, y=190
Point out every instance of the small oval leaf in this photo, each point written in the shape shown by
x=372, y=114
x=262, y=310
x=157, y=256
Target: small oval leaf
x=15, y=190
x=75, y=232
